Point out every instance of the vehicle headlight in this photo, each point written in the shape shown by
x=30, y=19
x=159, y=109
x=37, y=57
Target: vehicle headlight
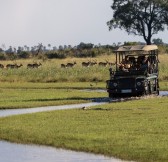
x=115, y=84
x=139, y=83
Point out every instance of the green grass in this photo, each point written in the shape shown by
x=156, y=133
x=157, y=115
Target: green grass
x=22, y=95
x=132, y=130
x=50, y=71
x=17, y=95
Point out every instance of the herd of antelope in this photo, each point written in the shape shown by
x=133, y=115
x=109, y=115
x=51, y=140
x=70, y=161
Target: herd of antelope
x=88, y=64
x=67, y=65
x=16, y=66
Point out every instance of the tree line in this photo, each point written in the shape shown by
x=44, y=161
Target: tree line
x=82, y=50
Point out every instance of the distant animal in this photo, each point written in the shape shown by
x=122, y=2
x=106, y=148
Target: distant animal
x=34, y=65
x=86, y=64
x=29, y=65
x=1, y=66
x=91, y=85
x=70, y=64
x=10, y=66
x=18, y=66
x=84, y=108
x=63, y=66
x=93, y=63
x=103, y=63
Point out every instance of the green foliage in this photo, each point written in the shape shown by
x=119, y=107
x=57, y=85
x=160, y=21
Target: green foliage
x=144, y=18
x=24, y=54
x=130, y=43
x=2, y=56
x=52, y=55
x=85, y=46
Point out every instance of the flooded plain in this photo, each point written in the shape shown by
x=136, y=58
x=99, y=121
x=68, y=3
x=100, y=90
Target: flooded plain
x=12, y=152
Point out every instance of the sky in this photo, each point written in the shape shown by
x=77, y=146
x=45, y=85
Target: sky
x=60, y=22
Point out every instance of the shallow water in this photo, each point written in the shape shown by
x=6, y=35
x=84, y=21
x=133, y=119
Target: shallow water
x=11, y=152
x=10, y=112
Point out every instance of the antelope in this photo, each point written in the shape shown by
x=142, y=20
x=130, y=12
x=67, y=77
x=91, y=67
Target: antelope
x=63, y=66
x=29, y=65
x=70, y=64
x=93, y=63
x=1, y=66
x=11, y=66
x=103, y=63
x=18, y=66
x=86, y=64
x=34, y=65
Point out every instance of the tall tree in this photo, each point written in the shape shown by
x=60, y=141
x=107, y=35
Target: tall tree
x=140, y=17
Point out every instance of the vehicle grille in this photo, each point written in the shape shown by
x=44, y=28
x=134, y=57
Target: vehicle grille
x=126, y=83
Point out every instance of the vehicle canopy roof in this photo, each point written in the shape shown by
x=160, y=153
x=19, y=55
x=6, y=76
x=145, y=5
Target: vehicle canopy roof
x=137, y=48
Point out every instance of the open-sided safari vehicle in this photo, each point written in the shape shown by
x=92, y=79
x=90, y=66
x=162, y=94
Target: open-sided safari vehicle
x=135, y=73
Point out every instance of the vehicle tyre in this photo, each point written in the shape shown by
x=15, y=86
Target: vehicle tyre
x=157, y=92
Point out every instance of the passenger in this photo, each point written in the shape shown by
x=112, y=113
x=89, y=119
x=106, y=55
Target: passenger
x=132, y=63
x=125, y=64
x=145, y=64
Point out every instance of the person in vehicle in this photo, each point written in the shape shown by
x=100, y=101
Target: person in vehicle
x=125, y=64
x=144, y=64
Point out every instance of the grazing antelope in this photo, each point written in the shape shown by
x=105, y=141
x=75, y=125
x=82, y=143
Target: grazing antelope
x=70, y=64
x=93, y=63
x=63, y=66
x=34, y=65
x=103, y=63
x=29, y=66
x=10, y=66
x=86, y=64
x=18, y=66
x=1, y=66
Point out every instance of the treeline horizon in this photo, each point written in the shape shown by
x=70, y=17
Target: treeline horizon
x=82, y=50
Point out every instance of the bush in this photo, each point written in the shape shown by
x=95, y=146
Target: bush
x=2, y=56
x=52, y=55
x=24, y=54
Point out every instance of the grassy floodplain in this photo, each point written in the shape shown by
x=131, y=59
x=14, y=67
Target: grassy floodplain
x=51, y=70
x=132, y=130
x=23, y=95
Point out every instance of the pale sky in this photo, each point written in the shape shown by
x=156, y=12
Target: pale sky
x=60, y=22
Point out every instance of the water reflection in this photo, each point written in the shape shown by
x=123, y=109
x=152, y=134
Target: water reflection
x=163, y=93
x=10, y=152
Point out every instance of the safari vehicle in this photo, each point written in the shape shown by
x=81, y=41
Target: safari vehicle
x=135, y=73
